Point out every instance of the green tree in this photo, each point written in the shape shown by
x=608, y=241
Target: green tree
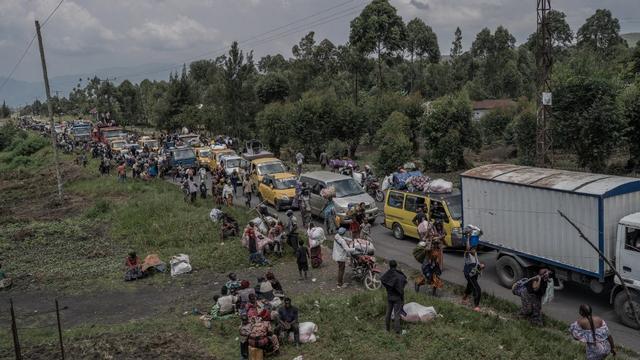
x=238, y=92
x=630, y=105
x=272, y=63
x=586, y=120
x=559, y=29
x=393, y=145
x=600, y=32
x=272, y=87
x=4, y=110
x=128, y=98
x=494, y=124
x=524, y=136
x=456, y=45
x=273, y=124
x=421, y=41
x=448, y=131
x=380, y=30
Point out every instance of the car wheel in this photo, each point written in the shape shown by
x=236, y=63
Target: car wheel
x=623, y=309
x=379, y=196
x=398, y=232
x=509, y=271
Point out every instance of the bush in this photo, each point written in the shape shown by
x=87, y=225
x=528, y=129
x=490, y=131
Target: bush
x=28, y=146
x=8, y=133
x=494, y=124
x=336, y=148
x=394, y=145
x=524, y=137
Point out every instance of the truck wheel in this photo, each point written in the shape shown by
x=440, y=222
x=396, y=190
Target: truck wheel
x=509, y=271
x=623, y=308
x=398, y=232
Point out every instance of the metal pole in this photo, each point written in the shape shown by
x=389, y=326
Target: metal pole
x=14, y=331
x=50, y=108
x=59, y=330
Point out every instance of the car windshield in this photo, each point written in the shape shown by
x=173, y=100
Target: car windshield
x=346, y=187
x=204, y=153
x=233, y=163
x=118, y=145
x=112, y=134
x=288, y=183
x=151, y=143
x=181, y=154
x=82, y=130
x=271, y=168
x=455, y=207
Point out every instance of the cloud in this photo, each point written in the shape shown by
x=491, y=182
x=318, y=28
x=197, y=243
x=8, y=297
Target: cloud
x=183, y=33
x=420, y=4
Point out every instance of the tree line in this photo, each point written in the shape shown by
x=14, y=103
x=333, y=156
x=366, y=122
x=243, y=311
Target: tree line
x=390, y=87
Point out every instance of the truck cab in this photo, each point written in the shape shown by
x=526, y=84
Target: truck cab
x=231, y=163
x=182, y=156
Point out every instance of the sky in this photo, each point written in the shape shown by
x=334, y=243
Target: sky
x=87, y=35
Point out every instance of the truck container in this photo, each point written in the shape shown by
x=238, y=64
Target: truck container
x=517, y=209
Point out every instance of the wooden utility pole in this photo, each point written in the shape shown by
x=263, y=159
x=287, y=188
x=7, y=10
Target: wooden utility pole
x=59, y=330
x=50, y=108
x=14, y=331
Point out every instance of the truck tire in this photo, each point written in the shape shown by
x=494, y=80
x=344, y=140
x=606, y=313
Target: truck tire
x=623, y=308
x=509, y=271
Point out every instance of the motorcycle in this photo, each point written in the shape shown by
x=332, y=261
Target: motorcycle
x=372, y=187
x=364, y=268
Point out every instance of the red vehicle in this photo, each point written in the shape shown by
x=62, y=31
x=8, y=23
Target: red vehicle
x=106, y=134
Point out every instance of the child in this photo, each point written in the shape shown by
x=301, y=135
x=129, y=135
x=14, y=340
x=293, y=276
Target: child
x=302, y=256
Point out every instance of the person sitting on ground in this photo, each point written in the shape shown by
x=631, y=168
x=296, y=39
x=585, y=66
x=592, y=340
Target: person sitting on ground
x=5, y=282
x=253, y=308
x=244, y=292
x=593, y=331
x=229, y=226
x=264, y=289
x=302, y=257
x=288, y=322
x=255, y=256
x=133, y=267
x=262, y=337
x=275, y=284
x=226, y=303
x=215, y=310
x=232, y=284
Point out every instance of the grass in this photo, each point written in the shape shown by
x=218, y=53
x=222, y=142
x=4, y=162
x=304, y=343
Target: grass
x=349, y=328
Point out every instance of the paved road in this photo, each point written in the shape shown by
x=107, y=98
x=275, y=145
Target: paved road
x=564, y=307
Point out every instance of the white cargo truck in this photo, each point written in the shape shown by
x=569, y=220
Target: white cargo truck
x=517, y=209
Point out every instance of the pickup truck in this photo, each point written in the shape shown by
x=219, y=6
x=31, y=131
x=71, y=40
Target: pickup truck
x=518, y=209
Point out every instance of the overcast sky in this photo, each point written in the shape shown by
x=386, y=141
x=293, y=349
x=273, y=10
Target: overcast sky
x=86, y=35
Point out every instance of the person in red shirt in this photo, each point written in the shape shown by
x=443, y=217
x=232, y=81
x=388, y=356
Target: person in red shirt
x=122, y=172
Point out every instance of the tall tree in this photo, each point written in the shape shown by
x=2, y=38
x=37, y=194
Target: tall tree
x=236, y=72
x=456, y=45
x=421, y=41
x=559, y=29
x=393, y=145
x=380, y=30
x=630, y=104
x=4, y=110
x=600, y=32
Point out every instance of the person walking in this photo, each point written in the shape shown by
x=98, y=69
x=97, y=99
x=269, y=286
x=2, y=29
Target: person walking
x=394, y=282
x=329, y=215
x=299, y=162
x=471, y=270
x=593, y=331
x=302, y=259
x=292, y=229
x=246, y=188
x=324, y=160
x=227, y=193
x=531, y=294
x=235, y=179
x=341, y=250
x=122, y=172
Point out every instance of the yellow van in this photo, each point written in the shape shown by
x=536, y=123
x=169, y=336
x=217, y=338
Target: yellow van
x=400, y=208
x=264, y=166
x=204, y=155
x=278, y=190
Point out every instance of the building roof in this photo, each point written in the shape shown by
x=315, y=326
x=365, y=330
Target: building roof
x=562, y=180
x=490, y=104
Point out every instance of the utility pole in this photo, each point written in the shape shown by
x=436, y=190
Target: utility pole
x=544, y=141
x=50, y=108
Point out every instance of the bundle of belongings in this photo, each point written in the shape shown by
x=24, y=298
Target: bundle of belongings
x=363, y=247
x=153, y=263
x=328, y=193
x=316, y=238
x=415, y=312
x=180, y=264
x=261, y=231
x=415, y=181
x=230, y=226
x=339, y=163
x=307, y=332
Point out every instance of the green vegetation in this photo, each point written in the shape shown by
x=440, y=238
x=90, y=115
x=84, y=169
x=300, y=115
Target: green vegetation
x=348, y=328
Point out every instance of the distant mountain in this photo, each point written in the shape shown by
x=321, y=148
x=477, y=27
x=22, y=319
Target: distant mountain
x=632, y=38
x=19, y=92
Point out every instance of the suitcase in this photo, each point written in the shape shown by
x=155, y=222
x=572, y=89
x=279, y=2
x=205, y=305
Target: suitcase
x=255, y=353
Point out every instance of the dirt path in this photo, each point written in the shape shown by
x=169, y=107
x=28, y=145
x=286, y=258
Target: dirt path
x=148, y=299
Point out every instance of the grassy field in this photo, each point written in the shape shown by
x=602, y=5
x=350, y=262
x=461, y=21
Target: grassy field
x=350, y=327
x=85, y=245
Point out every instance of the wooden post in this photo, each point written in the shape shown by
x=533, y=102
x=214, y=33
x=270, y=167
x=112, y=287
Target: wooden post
x=50, y=108
x=14, y=331
x=59, y=330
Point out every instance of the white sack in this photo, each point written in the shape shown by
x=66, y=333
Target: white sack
x=180, y=265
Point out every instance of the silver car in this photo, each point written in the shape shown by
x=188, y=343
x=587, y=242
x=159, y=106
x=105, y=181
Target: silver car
x=348, y=192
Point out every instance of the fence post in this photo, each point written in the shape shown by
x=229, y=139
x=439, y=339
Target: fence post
x=14, y=331
x=59, y=330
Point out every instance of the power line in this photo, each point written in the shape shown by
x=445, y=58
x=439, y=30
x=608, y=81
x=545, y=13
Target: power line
x=51, y=14
x=315, y=22
x=15, y=67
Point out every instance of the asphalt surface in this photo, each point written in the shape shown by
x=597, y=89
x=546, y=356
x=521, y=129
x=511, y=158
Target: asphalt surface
x=564, y=307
